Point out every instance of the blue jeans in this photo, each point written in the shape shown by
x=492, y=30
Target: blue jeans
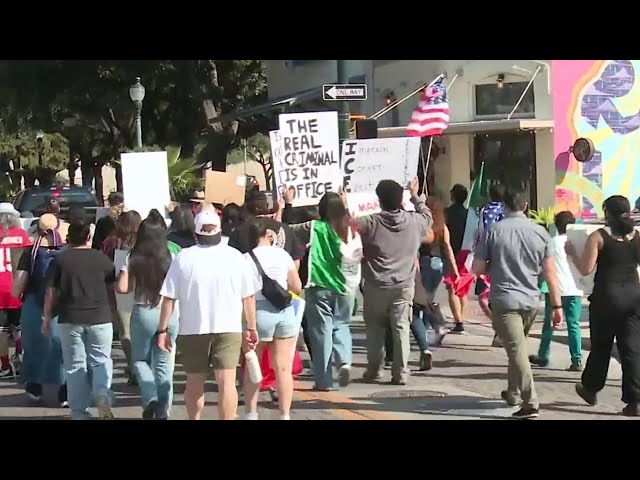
x=328, y=316
x=42, y=358
x=152, y=366
x=86, y=347
x=432, y=274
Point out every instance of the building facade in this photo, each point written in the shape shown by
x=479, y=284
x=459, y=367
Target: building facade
x=598, y=100
x=482, y=94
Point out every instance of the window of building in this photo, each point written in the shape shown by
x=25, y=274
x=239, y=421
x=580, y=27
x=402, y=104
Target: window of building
x=509, y=159
x=495, y=102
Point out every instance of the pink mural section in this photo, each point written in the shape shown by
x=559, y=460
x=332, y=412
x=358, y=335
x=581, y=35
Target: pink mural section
x=567, y=80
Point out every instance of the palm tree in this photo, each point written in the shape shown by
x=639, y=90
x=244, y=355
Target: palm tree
x=184, y=175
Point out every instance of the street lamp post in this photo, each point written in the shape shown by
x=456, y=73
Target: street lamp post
x=39, y=139
x=136, y=92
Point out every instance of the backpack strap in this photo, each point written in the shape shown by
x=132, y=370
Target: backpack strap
x=255, y=260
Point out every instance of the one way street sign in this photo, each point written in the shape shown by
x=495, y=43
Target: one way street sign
x=336, y=92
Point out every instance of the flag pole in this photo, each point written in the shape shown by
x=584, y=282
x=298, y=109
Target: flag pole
x=525, y=91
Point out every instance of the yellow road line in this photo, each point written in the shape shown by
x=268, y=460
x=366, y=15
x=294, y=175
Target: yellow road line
x=303, y=394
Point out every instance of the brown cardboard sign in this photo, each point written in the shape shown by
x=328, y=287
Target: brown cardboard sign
x=223, y=188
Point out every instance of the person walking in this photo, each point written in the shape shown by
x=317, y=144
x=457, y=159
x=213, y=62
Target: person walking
x=333, y=277
x=456, y=219
x=124, y=238
x=106, y=226
x=42, y=361
x=515, y=252
x=13, y=239
x=214, y=286
x=571, y=300
x=614, y=309
x=277, y=327
x=390, y=241
x=143, y=274
x=433, y=258
x=78, y=280
x=491, y=213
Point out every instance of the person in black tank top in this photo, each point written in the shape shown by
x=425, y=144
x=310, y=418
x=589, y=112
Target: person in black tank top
x=614, y=310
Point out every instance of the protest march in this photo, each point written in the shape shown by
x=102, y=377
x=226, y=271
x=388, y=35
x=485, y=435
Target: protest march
x=235, y=286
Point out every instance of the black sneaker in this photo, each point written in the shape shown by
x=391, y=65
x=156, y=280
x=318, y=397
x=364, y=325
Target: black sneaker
x=7, y=372
x=149, y=411
x=33, y=391
x=631, y=410
x=398, y=381
x=589, y=397
x=537, y=361
x=132, y=381
x=371, y=377
x=526, y=413
x=575, y=367
x=426, y=361
x=458, y=329
x=62, y=396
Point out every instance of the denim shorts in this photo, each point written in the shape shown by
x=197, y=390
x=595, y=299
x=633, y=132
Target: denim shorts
x=272, y=323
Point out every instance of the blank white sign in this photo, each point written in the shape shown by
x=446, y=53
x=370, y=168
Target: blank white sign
x=145, y=181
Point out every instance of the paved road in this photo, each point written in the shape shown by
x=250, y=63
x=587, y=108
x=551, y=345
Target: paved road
x=465, y=383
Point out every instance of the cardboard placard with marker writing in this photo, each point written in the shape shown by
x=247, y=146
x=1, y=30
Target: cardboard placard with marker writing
x=308, y=159
x=364, y=163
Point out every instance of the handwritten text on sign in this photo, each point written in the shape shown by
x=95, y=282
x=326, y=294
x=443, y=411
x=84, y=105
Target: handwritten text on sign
x=363, y=203
x=310, y=151
x=366, y=162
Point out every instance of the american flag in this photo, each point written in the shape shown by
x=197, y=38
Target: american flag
x=431, y=116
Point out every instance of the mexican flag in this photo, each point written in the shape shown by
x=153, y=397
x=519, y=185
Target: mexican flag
x=470, y=237
x=333, y=264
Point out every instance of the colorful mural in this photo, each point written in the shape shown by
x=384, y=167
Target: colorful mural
x=599, y=100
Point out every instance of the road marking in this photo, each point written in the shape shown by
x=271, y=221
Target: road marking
x=303, y=393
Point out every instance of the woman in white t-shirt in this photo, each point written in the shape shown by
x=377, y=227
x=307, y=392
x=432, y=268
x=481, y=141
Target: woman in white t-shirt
x=277, y=329
x=143, y=274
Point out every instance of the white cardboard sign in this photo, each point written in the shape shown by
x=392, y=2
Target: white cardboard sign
x=145, y=182
x=365, y=163
x=309, y=159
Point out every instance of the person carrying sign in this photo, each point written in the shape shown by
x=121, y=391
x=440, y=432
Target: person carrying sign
x=390, y=241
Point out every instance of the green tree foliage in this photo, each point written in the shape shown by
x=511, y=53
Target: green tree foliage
x=88, y=103
x=258, y=150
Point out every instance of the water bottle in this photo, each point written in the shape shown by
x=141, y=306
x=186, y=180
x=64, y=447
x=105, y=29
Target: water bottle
x=253, y=366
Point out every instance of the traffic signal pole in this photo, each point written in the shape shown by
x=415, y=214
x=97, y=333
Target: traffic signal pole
x=343, y=106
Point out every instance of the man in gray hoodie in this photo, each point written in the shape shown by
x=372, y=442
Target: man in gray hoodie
x=390, y=242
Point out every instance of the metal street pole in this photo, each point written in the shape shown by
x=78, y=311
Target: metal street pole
x=343, y=107
x=137, y=92
x=138, y=123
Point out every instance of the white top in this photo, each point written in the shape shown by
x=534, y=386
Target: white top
x=565, y=270
x=276, y=263
x=224, y=240
x=210, y=284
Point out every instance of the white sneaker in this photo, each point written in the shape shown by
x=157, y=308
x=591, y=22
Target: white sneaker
x=344, y=376
x=251, y=416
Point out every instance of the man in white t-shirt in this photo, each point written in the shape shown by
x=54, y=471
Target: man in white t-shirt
x=571, y=300
x=214, y=285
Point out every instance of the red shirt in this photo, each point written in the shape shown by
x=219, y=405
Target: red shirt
x=15, y=238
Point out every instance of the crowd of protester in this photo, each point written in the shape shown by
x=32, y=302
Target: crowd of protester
x=215, y=286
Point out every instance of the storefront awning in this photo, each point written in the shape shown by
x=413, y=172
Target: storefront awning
x=274, y=104
x=479, y=126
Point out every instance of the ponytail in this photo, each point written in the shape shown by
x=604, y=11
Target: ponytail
x=622, y=225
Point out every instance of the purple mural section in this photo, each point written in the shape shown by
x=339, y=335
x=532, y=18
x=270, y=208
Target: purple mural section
x=616, y=80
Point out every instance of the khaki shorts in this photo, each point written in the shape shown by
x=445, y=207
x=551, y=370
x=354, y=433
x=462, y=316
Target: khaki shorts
x=199, y=353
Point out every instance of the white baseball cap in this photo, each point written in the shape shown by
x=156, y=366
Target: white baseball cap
x=6, y=207
x=208, y=224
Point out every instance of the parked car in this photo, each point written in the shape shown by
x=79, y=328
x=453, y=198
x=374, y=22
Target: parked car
x=34, y=199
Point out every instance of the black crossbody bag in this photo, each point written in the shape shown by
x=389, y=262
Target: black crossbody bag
x=278, y=297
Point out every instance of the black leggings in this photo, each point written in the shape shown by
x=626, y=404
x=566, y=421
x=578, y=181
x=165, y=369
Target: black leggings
x=606, y=325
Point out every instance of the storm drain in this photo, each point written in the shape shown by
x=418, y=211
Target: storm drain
x=408, y=394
